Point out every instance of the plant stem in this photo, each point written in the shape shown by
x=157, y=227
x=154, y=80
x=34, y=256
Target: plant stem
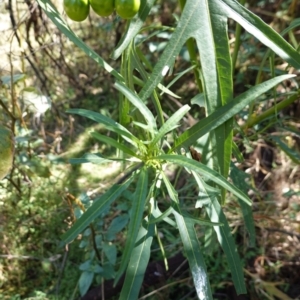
x=252, y=121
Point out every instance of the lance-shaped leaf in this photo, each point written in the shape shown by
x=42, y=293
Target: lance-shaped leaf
x=109, y=123
x=162, y=216
x=114, y=143
x=138, y=263
x=225, y=112
x=100, y=205
x=221, y=139
x=195, y=22
x=239, y=179
x=187, y=25
x=216, y=214
x=170, y=124
x=191, y=245
x=136, y=216
x=263, y=32
x=139, y=104
x=205, y=171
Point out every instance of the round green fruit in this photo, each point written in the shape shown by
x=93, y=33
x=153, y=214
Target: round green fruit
x=6, y=151
x=127, y=9
x=77, y=10
x=103, y=8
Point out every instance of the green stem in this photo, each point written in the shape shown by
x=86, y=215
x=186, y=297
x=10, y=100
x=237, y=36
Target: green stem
x=252, y=121
x=138, y=56
x=124, y=105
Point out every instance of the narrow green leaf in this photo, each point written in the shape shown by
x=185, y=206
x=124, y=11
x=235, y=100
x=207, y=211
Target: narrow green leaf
x=223, y=134
x=217, y=84
x=194, y=255
x=239, y=179
x=109, y=123
x=205, y=171
x=191, y=245
x=114, y=143
x=55, y=17
x=216, y=214
x=294, y=24
x=170, y=124
x=138, y=263
x=263, y=32
x=139, y=104
x=162, y=216
x=136, y=216
x=141, y=69
x=134, y=26
x=100, y=204
x=187, y=25
x=198, y=220
x=225, y=112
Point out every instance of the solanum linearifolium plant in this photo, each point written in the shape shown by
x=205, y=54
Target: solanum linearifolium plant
x=142, y=135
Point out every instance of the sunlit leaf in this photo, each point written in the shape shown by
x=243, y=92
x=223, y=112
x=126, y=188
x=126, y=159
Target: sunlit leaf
x=191, y=246
x=205, y=171
x=225, y=112
x=216, y=214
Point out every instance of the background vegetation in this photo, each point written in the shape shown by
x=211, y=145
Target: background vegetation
x=44, y=74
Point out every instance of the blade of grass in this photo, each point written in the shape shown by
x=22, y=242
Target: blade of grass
x=263, y=32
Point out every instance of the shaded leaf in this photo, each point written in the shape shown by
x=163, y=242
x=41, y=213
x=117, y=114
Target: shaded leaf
x=138, y=263
x=136, y=216
x=85, y=281
x=99, y=205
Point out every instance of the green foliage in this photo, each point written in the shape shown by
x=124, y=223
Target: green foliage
x=148, y=144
